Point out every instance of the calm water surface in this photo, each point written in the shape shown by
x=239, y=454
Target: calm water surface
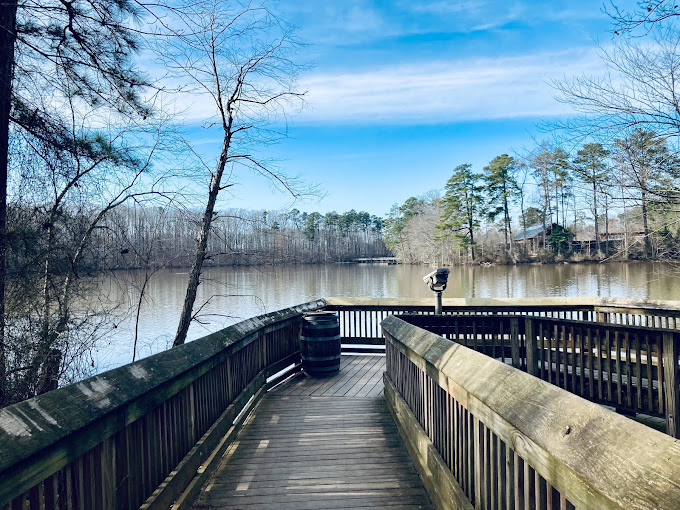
x=237, y=293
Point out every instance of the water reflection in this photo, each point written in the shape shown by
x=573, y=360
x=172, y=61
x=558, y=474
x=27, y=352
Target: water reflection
x=236, y=293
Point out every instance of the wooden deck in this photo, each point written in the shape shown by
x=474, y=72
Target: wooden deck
x=319, y=443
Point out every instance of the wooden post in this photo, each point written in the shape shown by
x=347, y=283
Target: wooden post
x=532, y=351
x=670, y=390
x=514, y=342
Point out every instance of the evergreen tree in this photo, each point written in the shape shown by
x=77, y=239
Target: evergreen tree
x=501, y=187
x=396, y=222
x=559, y=166
x=57, y=57
x=462, y=207
x=590, y=166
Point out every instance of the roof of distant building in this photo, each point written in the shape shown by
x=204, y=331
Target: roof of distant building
x=530, y=233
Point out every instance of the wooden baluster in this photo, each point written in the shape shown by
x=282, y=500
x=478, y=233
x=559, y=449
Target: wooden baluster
x=572, y=342
x=608, y=364
x=564, y=365
x=478, y=459
x=650, y=375
x=619, y=392
x=638, y=371
x=628, y=370
x=514, y=343
x=542, y=351
x=671, y=351
x=600, y=363
x=501, y=474
x=529, y=487
x=531, y=347
x=541, y=492
x=554, y=340
x=591, y=374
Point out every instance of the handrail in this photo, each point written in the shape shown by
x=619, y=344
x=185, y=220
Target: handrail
x=631, y=368
x=110, y=440
x=360, y=317
x=509, y=439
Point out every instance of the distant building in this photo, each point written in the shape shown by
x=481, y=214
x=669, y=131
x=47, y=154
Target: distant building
x=533, y=237
x=554, y=237
x=608, y=241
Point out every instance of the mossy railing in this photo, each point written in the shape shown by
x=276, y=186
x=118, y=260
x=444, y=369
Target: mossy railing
x=136, y=436
x=631, y=368
x=140, y=435
x=486, y=435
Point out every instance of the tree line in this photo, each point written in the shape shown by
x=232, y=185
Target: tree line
x=628, y=190
x=136, y=238
x=606, y=185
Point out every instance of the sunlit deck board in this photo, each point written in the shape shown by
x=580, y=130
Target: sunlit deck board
x=310, y=445
x=356, y=373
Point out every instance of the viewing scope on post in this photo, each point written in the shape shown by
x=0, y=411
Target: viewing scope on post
x=436, y=280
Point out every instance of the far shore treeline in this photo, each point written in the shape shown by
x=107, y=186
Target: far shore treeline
x=618, y=201
x=156, y=237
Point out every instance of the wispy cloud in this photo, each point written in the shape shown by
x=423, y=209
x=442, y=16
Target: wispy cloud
x=446, y=91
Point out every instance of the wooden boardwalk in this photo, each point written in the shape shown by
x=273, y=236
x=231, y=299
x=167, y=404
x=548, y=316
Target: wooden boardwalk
x=316, y=444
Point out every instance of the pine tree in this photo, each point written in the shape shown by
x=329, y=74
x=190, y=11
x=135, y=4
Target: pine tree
x=501, y=187
x=590, y=166
x=462, y=207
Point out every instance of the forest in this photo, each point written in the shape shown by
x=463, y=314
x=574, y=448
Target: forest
x=619, y=201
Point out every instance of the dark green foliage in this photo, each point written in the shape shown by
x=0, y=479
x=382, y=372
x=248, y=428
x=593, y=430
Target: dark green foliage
x=397, y=219
x=502, y=189
x=560, y=239
x=463, y=207
x=533, y=216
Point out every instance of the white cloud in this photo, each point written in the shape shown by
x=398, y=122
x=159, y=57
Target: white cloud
x=446, y=91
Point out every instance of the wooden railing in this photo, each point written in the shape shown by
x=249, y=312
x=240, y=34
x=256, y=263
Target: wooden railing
x=360, y=318
x=488, y=436
x=136, y=436
x=631, y=368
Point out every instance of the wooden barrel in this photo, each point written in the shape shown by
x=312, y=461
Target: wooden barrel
x=320, y=343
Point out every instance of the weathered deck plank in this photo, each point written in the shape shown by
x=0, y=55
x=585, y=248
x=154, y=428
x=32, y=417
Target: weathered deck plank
x=319, y=443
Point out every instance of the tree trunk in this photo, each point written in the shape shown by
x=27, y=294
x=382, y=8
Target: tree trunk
x=508, y=229
x=625, y=225
x=597, y=230
x=195, y=274
x=472, y=241
x=8, y=21
x=606, y=226
x=645, y=225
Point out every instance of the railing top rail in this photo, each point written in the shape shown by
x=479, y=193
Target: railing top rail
x=537, y=303
x=595, y=457
x=121, y=395
x=444, y=320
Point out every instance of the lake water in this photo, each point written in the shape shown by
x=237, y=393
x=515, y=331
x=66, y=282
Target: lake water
x=237, y=293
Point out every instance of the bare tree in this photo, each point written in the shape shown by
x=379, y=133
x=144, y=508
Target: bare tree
x=238, y=56
x=647, y=14
x=649, y=171
x=639, y=90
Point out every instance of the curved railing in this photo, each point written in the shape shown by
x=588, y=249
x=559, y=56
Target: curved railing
x=136, y=436
x=485, y=435
x=631, y=368
x=360, y=317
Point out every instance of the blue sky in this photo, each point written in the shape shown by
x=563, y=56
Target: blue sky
x=403, y=91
